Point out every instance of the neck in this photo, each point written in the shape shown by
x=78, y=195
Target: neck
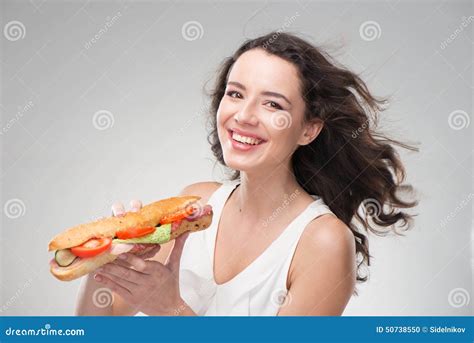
x=260, y=194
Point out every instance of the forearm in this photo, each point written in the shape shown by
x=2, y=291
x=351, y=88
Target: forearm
x=89, y=303
x=184, y=310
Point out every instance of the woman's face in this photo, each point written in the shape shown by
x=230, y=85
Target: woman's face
x=260, y=117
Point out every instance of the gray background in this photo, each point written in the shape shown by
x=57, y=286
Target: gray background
x=58, y=169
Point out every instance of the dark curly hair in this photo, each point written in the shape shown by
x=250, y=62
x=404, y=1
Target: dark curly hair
x=355, y=169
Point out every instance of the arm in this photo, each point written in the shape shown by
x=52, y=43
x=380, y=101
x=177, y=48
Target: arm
x=84, y=303
x=324, y=275
x=204, y=190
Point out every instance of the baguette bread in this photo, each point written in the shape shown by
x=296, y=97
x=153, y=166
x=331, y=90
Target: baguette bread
x=84, y=266
x=149, y=215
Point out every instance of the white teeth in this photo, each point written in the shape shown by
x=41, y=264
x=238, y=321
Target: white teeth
x=243, y=139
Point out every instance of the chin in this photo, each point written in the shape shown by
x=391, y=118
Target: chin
x=236, y=163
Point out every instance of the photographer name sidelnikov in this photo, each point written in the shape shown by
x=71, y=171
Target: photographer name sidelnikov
x=445, y=329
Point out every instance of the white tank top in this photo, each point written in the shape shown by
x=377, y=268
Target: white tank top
x=260, y=289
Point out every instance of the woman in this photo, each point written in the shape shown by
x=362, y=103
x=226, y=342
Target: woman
x=298, y=132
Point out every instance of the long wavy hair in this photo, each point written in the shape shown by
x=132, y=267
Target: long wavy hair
x=355, y=169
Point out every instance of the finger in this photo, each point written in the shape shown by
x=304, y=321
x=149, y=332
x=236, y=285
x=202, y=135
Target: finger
x=113, y=286
x=151, y=253
x=121, y=263
x=135, y=205
x=118, y=209
x=125, y=273
x=138, y=263
x=130, y=286
x=175, y=256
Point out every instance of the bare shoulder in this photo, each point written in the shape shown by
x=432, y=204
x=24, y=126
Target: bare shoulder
x=328, y=240
x=201, y=189
x=324, y=274
x=330, y=232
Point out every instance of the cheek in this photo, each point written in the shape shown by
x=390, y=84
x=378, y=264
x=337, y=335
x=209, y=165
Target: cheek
x=227, y=108
x=282, y=139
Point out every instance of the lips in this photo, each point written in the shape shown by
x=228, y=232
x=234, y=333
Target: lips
x=239, y=144
x=243, y=147
x=246, y=134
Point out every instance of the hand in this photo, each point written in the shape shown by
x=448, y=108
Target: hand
x=149, y=286
x=146, y=251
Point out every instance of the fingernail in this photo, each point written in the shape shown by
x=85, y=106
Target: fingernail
x=98, y=277
x=118, y=209
x=135, y=205
x=122, y=257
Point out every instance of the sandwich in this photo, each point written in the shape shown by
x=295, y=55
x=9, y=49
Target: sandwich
x=83, y=248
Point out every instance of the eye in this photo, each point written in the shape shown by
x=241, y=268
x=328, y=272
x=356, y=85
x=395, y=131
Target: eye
x=275, y=105
x=234, y=94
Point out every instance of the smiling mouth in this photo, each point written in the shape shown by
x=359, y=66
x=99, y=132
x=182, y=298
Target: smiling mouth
x=244, y=140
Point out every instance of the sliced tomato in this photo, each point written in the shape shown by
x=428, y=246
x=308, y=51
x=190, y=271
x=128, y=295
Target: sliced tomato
x=177, y=216
x=92, y=247
x=135, y=232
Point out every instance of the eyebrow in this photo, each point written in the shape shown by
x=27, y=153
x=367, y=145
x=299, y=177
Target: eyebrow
x=275, y=94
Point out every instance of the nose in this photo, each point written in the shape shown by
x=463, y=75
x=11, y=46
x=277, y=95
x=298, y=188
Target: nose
x=246, y=115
